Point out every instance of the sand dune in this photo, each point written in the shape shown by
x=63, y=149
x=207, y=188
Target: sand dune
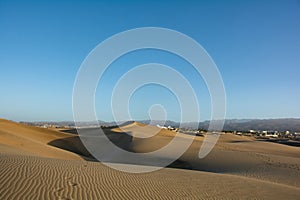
x=243, y=156
x=29, y=177
x=39, y=163
x=33, y=140
x=238, y=155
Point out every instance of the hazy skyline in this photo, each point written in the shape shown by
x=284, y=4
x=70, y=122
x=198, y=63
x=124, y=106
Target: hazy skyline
x=256, y=46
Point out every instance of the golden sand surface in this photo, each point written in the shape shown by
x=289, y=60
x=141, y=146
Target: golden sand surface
x=38, y=163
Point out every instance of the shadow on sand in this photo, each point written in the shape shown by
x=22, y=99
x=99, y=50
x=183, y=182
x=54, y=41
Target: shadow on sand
x=120, y=139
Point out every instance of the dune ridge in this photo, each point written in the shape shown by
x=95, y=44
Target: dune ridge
x=39, y=163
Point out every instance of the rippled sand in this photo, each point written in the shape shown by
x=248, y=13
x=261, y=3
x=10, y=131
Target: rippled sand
x=40, y=163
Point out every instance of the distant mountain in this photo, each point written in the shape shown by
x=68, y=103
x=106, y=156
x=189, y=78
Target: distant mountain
x=288, y=124
x=70, y=123
x=160, y=122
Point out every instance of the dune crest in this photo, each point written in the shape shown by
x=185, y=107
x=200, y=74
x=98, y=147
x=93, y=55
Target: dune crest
x=33, y=140
x=38, y=163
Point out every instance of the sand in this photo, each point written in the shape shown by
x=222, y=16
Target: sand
x=39, y=163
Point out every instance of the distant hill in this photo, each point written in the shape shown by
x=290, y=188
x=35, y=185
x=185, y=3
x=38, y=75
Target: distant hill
x=287, y=124
x=291, y=124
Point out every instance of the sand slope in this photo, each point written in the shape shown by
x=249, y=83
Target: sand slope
x=238, y=155
x=38, y=163
x=32, y=140
x=243, y=156
x=28, y=177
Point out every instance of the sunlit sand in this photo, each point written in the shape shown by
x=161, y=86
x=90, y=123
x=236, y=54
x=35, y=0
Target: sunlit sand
x=39, y=163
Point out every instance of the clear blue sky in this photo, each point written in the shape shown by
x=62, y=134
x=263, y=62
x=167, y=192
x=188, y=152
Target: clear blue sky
x=255, y=44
